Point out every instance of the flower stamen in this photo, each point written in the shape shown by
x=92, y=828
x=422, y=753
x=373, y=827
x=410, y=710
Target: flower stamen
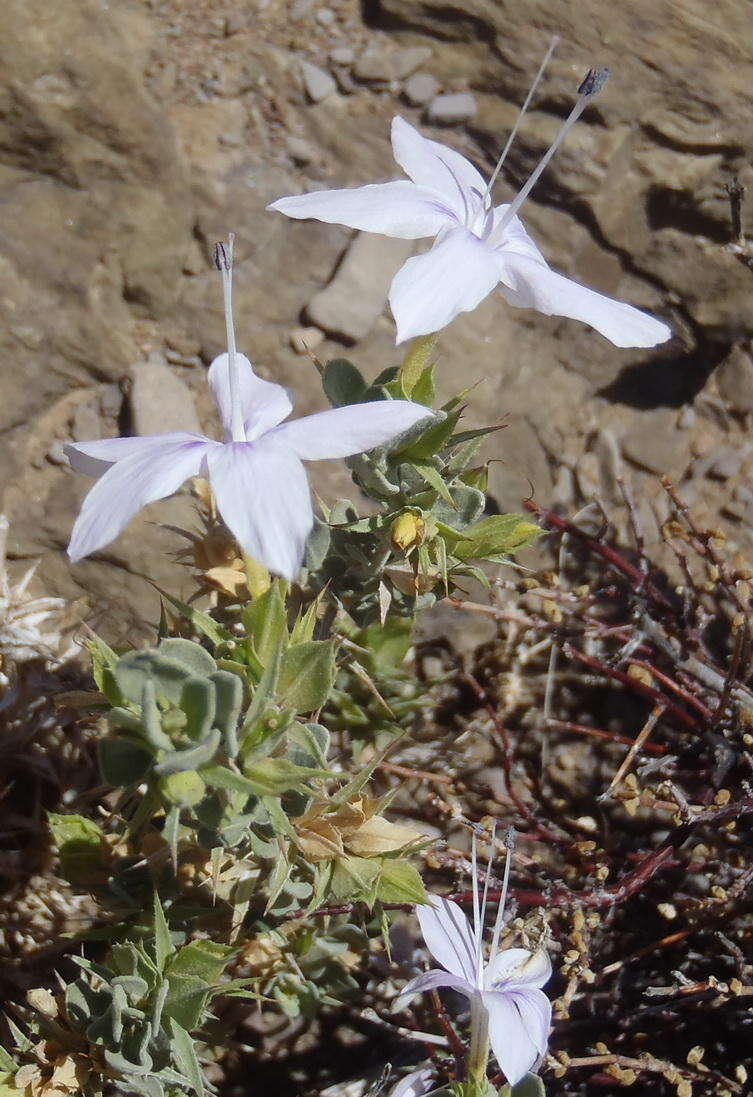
x=591, y=85
x=223, y=260
x=510, y=848
x=487, y=201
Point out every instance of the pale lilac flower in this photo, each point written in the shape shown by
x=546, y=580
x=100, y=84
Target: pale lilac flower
x=477, y=246
x=508, y=1008
x=257, y=476
x=415, y=1084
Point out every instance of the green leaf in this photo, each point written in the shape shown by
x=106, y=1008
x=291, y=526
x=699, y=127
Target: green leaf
x=264, y=620
x=498, y=535
x=264, y=693
x=343, y=383
x=307, y=675
x=228, y=693
x=202, y=958
x=80, y=845
x=354, y=878
x=388, y=644
x=399, y=882
x=103, y=659
x=273, y=776
x=171, y=830
x=433, y=478
x=163, y=945
x=436, y=434
x=185, y=1054
x=190, y=655
x=202, y=622
x=222, y=777
x=186, y=999
x=179, y=761
x=123, y=762
x=529, y=1086
x=414, y=364
x=425, y=391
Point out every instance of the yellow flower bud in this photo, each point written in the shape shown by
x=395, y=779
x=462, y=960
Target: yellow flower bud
x=407, y=531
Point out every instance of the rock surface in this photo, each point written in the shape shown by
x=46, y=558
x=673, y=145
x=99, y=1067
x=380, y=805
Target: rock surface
x=355, y=298
x=134, y=136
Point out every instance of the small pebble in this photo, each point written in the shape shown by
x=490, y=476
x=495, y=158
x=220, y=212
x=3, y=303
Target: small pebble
x=342, y=55
x=299, y=150
x=405, y=61
x=303, y=340
x=235, y=21
x=317, y=83
x=325, y=17
x=451, y=109
x=56, y=454
x=421, y=88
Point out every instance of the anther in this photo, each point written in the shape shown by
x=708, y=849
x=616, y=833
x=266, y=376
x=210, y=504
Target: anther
x=221, y=258
x=593, y=81
x=590, y=85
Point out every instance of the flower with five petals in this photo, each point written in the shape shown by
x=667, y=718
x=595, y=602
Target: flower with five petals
x=477, y=246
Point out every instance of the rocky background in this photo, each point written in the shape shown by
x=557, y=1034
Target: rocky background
x=132, y=135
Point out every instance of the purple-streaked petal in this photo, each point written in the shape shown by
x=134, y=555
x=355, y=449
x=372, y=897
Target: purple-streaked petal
x=449, y=937
x=263, y=496
x=531, y=284
x=431, y=290
x=341, y=432
x=264, y=404
x=536, y=1014
x=96, y=457
x=414, y=1084
x=515, y=1048
x=145, y=475
x=436, y=167
x=518, y=967
x=433, y=980
x=398, y=209
x=514, y=237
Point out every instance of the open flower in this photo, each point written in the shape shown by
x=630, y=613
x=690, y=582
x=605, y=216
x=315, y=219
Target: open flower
x=477, y=246
x=259, y=482
x=508, y=1008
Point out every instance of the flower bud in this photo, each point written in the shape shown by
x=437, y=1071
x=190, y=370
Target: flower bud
x=407, y=532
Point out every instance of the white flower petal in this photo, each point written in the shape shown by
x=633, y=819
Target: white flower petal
x=439, y=168
x=96, y=457
x=515, y=1048
x=536, y=1014
x=531, y=284
x=518, y=967
x=433, y=980
x=514, y=237
x=392, y=209
x=263, y=403
x=341, y=432
x=453, y=277
x=414, y=1084
x=449, y=937
x=148, y=473
x=263, y=496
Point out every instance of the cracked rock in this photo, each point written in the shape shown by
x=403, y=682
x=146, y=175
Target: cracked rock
x=450, y=109
x=317, y=83
x=354, y=300
x=159, y=400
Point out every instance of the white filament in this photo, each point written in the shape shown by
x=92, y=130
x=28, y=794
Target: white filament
x=237, y=428
x=510, y=846
x=518, y=120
